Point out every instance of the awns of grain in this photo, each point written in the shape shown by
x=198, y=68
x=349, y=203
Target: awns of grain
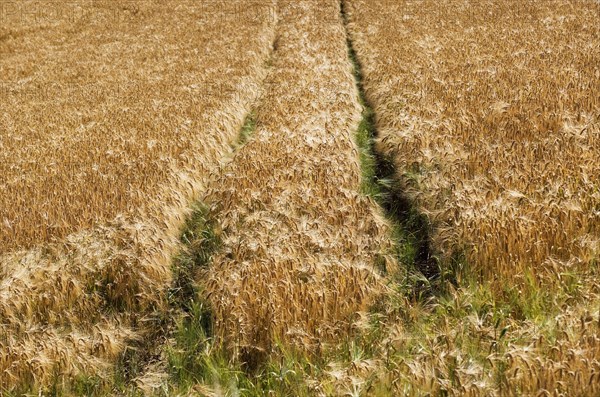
x=109, y=128
x=300, y=242
x=495, y=130
x=493, y=122
x=491, y=111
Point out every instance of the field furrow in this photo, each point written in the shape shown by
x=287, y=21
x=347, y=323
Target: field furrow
x=113, y=117
x=300, y=244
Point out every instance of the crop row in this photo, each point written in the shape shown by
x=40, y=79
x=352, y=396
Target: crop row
x=491, y=112
x=94, y=186
x=300, y=244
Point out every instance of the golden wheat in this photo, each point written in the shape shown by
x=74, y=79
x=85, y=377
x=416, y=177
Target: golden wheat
x=493, y=122
x=491, y=112
x=114, y=115
x=299, y=241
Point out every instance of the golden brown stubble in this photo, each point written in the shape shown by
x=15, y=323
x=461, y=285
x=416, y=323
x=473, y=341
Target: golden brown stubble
x=299, y=241
x=493, y=122
x=111, y=124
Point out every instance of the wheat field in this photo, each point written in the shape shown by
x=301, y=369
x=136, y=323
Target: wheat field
x=300, y=244
x=215, y=198
x=490, y=110
x=116, y=99
x=113, y=117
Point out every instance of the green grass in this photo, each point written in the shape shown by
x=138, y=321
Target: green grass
x=194, y=358
x=200, y=241
x=421, y=273
x=187, y=357
x=246, y=131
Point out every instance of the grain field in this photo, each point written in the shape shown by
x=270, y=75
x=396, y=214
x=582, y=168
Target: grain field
x=491, y=112
x=300, y=198
x=113, y=117
x=300, y=243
